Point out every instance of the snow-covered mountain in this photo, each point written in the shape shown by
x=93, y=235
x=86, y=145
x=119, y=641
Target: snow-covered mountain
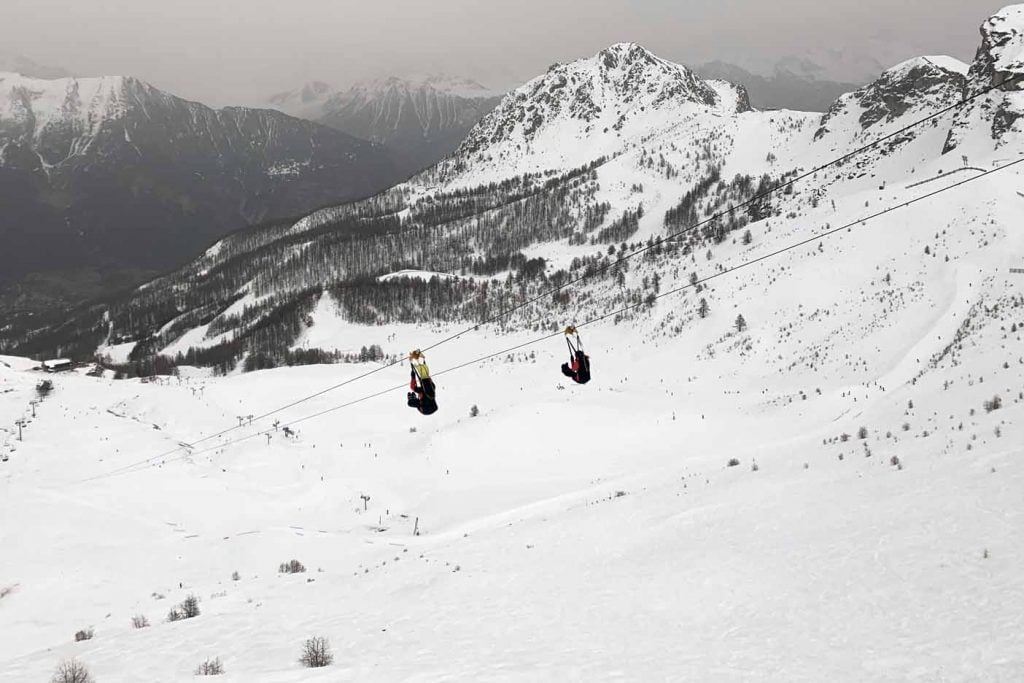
x=616, y=148
x=305, y=103
x=590, y=108
x=420, y=120
x=799, y=457
x=904, y=93
x=996, y=115
x=113, y=172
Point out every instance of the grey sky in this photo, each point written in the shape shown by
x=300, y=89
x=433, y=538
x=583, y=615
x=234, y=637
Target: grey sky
x=239, y=51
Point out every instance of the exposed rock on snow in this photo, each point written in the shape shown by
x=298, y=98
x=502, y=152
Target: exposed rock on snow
x=999, y=64
x=923, y=84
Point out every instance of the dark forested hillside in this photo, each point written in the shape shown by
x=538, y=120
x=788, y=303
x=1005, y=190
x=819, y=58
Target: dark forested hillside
x=121, y=177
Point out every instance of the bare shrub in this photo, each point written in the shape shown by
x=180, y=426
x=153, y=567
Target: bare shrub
x=190, y=607
x=140, y=621
x=316, y=652
x=71, y=671
x=84, y=634
x=211, y=667
x=292, y=567
x=175, y=614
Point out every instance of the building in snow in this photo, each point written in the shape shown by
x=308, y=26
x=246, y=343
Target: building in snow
x=57, y=365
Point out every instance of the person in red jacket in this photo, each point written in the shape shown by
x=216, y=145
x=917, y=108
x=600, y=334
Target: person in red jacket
x=580, y=368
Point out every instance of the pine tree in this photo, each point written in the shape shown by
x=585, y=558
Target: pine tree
x=741, y=323
x=703, y=309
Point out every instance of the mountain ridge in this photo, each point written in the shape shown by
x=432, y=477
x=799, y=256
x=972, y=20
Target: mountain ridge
x=420, y=120
x=112, y=172
x=605, y=152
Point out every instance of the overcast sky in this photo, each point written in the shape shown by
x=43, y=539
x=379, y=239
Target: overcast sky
x=240, y=51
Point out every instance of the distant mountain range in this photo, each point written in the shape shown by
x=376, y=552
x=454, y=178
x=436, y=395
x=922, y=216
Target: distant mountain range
x=419, y=120
x=783, y=89
x=590, y=159
x=19, y=64
x=112, y=173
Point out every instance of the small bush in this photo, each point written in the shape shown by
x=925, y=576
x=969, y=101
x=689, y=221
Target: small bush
x=862, y=433
x=474, y=411
x=895, y=461
x=140, y=621
x=235, y=576
x=211, y=667
x=316, y=652
x=190, y=607
x=733, y=462
x=71, y=671
x=995, y=404
x=292, y=567
x=84, y=634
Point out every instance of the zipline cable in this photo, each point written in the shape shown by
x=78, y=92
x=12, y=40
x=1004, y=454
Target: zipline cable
x=592, y=272
x=647, y=302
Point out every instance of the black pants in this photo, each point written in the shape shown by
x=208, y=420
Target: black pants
x=424, y=404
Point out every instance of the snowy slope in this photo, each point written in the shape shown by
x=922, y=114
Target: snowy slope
x=830, y=493
x=571, y=532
